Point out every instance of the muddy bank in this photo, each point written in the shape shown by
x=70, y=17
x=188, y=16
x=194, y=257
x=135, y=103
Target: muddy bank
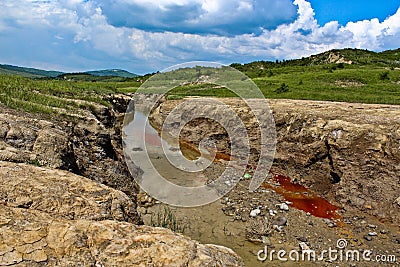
x=347, y=153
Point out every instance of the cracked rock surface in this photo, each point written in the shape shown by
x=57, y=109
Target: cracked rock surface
x=36, y=228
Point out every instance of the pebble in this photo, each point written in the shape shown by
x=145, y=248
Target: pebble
x=367, y=237
x=279, y=221
x=371, y=226
x=383, y=231
x=255, y=212
x=283, y=206
x=272, y=212
x=372, y=234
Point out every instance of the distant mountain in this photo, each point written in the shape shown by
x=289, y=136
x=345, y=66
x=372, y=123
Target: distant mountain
x=28, y=72
x=113, y=72
x=38, y=73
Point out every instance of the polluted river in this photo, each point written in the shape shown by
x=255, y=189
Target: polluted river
x=282, y=214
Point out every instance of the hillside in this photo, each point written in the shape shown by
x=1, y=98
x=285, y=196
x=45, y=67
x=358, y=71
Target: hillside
x=27, y=72
x=348, y=75
x=112, y=72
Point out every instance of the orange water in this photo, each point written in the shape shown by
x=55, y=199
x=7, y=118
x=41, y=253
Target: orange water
x=304, y=199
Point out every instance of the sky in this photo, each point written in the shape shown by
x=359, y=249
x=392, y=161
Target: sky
x=144, y=36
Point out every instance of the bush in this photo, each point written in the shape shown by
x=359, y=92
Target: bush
x=282, y=89
x=384, y=76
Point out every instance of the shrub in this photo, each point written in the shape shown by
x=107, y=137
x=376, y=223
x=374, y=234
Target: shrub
x=384, y=76
x=282, y=89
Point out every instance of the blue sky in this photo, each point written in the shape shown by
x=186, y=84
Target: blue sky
x=145, y=36
x=353, y=10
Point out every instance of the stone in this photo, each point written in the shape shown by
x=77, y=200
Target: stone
x=372, y=234
x=367, y=237
x=255, y=212
x=62, y=194
x=279, y=221
x=283, y=206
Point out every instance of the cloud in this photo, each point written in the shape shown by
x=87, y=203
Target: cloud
x=86, y=34
x=221, y=17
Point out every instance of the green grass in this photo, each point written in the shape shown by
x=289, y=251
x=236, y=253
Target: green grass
x=352, y=83
x=166, y=218
x=372, y=78
x=51, y=96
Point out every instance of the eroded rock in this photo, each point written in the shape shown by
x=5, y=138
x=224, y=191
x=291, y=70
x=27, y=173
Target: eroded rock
x=62, y=194
x=50, y=217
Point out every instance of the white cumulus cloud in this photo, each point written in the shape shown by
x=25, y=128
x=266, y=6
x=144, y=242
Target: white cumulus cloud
x=84, y=34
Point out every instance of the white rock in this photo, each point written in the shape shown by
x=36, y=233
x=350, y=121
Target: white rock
x=255, y=212
x=272, y=212
x=283, y=206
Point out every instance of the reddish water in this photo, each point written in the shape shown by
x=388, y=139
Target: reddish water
x=304, y=199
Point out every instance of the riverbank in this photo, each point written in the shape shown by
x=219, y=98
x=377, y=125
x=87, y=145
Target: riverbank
x=345, y=153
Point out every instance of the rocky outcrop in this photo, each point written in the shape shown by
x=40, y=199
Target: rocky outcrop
x=62, y=194
x=89, y=147
x=36, y=227
x=348, y=153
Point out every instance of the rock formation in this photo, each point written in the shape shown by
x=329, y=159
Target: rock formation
x=54, y=218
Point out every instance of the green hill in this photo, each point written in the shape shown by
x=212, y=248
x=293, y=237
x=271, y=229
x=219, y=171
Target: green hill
x=28, y=72
x=112, y=72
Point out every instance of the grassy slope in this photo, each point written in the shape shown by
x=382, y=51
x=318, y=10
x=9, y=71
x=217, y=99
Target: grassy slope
x=314, y=78
x=372, y=78
x=51, y=96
